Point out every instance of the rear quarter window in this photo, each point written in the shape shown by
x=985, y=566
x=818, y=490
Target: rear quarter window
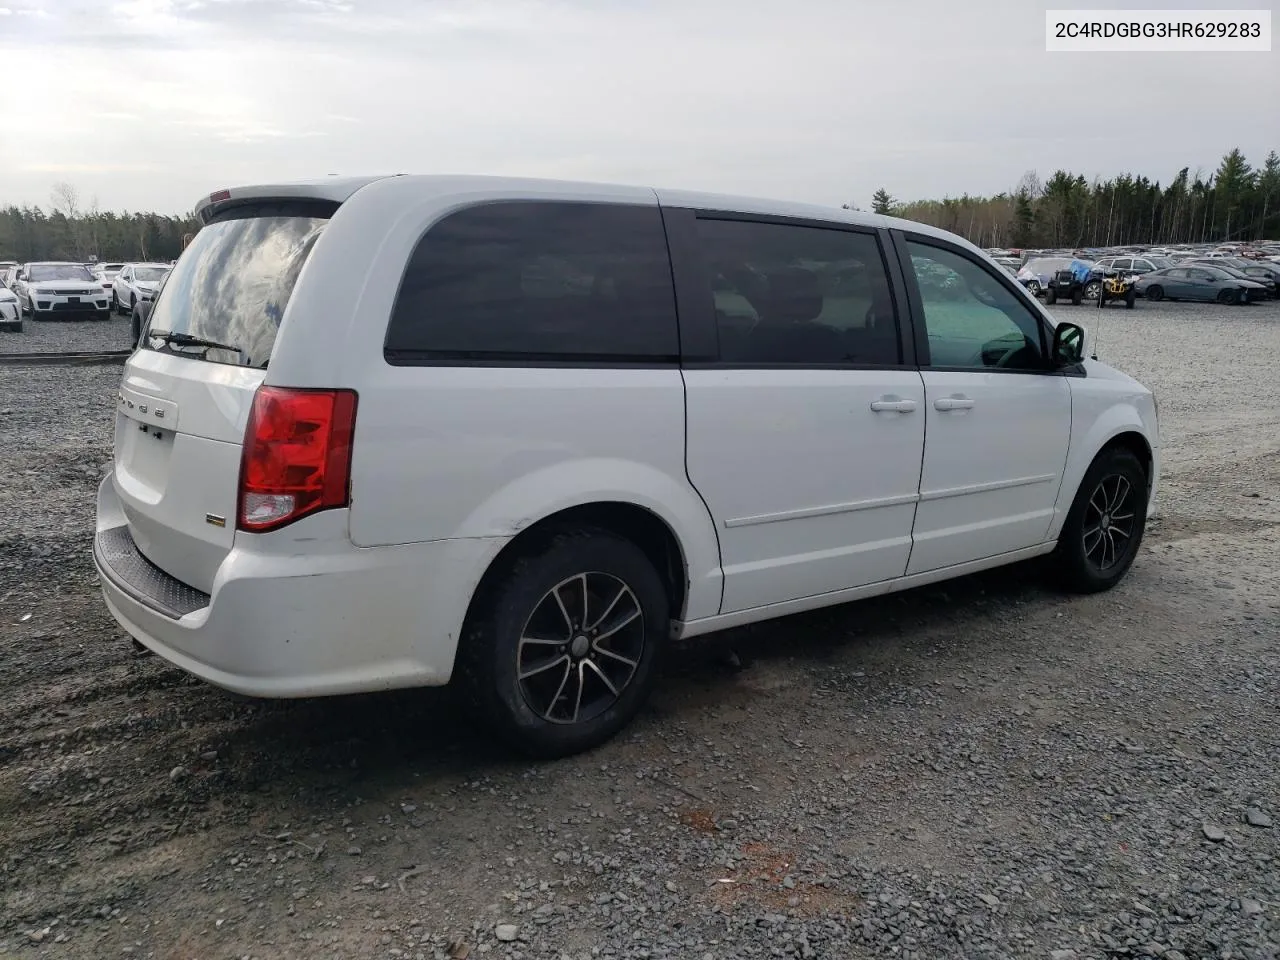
x=528, y=281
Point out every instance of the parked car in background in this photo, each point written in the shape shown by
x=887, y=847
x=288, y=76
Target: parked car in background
x=5, y=267
x=141, y=311
x=107, y=271
x=10, y=311
x=52, y=289
x=136, y=282
x=1262, y=270
x=1195, y=282
x=1129, y=265
x=521, y=435
x=1267, y=283
x=1036, y=274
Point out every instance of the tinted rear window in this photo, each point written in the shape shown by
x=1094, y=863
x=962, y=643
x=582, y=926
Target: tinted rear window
x=232, y=284
x=529, y=281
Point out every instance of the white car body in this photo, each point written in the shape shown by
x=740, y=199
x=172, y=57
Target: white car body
x=129, y=286
x=73, y=291
x=786, y=488
x=10, y=310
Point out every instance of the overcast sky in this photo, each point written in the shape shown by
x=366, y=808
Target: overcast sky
x=147, y=104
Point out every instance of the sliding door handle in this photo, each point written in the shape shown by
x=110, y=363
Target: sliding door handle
x=953, y=403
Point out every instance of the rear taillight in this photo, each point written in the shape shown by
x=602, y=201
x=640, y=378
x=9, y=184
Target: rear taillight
x=297, y=455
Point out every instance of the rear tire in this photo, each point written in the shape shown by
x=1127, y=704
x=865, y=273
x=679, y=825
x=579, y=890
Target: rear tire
x=561, y=645
x=1051, y=296
x=1155, y=293
x=1077, y=297
x=1130, y=299
x=1104, y=527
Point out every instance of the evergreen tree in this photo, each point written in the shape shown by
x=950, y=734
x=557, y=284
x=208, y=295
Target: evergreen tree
x=882, y=202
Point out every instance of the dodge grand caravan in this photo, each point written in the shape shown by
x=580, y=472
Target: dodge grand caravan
x=519, y=435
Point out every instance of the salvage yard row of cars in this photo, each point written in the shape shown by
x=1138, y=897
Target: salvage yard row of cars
x=1229, y=274
x=49, y=290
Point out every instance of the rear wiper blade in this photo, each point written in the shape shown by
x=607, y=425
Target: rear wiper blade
x=187, y=340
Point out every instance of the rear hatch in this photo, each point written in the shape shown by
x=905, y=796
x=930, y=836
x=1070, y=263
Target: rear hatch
x=187, y=391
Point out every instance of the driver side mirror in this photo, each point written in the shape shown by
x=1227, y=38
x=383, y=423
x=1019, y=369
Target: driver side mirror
x=1068, y=344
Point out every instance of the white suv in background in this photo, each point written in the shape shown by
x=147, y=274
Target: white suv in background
x=552, y=427
x=55, y=289
x=135, y=283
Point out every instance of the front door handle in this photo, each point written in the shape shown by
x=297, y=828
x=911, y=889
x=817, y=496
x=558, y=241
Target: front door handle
x=893, y=405
x=953, y=403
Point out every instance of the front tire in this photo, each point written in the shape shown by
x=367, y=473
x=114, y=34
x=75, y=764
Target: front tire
x=1051, y=296
x=1093, y=290
x=1076, y=297
x=1104, y=527
x=1130, y=300
x=562, y=644
x=1155, y=293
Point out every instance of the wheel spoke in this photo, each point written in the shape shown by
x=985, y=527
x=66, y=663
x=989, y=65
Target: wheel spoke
x=1099, y=509
x=1121, y=516
x=543, y=668
x=622, y=592
x=564, y=611
x=587, y=664
x=568, y=669
x=605, y=634
x=1122, y=493
x=541, y=641
x=577, y=702
x=1114, y=530
x=586, y=601
x=1095, y=533
x=606, y=652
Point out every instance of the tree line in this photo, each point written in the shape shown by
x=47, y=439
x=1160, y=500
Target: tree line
x=1235, y=203
x=68, y=230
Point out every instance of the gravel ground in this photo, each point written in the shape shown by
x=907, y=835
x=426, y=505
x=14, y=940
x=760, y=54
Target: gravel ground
x=49, y=336
x=980, y=769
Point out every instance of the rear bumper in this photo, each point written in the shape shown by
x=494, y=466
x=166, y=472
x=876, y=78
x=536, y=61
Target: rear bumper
x=306, y=614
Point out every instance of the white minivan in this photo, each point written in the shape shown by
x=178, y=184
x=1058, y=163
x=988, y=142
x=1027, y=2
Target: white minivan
x=521, y=435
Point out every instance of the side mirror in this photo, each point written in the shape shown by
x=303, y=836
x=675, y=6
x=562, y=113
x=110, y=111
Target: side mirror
x=1068, y=344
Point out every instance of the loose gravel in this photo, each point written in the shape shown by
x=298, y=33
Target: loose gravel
x=984, y=768
x=57, y=336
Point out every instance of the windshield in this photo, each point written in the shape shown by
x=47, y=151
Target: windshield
x=58, y=271
x=149, y=273
x=233, y=282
